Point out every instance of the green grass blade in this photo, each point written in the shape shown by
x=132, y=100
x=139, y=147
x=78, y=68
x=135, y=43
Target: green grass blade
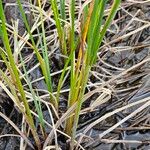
x=44, y=64
x=45, y=50
x=94, y=29
x=109, y=19
x=10, y=56
x=46, y=58
x=16, y=76
x=35, y=98
x=61, y=34
x=62, y=77
x=84, y=75
x=62, y=11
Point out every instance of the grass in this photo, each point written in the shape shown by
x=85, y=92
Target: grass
x=80, y=68
x=15, y=79
x=79, y=38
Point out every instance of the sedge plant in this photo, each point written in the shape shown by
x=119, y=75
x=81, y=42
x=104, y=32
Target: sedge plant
x=92, y=31
x=43, y=59
x=81, y=51
x=15, y=82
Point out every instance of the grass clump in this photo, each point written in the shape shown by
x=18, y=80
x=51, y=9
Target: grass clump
x=90, y=38
x=79, y=48
x=15, y=82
